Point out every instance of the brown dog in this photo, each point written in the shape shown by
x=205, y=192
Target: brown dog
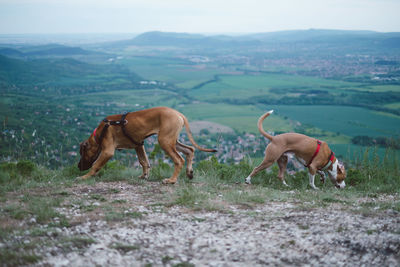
x=314, y=154
x=129, y=130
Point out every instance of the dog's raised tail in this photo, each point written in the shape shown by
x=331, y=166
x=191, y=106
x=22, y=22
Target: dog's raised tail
x=260, y=127
x=190, y=136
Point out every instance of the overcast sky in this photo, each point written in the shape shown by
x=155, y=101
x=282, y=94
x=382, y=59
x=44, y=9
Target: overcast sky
x=200, y=16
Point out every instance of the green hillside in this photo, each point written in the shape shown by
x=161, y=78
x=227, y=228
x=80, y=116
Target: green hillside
x=332, y=85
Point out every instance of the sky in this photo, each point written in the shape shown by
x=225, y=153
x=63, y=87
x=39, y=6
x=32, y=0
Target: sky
x=195, y=16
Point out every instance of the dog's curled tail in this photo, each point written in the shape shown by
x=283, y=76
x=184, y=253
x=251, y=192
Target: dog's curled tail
x=190, y=136
x=260, y=127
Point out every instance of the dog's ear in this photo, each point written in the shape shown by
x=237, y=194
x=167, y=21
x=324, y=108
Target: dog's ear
x=85, y=144
x=341, y=168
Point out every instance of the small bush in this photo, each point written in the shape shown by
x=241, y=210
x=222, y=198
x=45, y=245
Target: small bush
x=114, y=165
x=354, y=177
x=160, y=171
x=225, y=172
x=71, y=171
x=25, y=167
x=8, y=167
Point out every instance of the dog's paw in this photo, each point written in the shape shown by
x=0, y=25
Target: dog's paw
x=168, y=181
x=144, y=176
x=247, y=180
x=284, y=183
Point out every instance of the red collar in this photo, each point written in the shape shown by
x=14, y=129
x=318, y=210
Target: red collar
x=330, y=162
x=94, y=135
x=315, y=153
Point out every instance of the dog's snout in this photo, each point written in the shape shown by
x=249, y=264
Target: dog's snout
x=340, y=185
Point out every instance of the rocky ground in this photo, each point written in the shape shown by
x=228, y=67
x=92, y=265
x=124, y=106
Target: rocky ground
x=274, y=233
x=122, y=224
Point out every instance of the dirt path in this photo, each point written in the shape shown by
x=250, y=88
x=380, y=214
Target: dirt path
x=275, y=233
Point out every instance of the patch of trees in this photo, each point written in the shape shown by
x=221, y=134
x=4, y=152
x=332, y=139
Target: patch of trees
x=363, y=140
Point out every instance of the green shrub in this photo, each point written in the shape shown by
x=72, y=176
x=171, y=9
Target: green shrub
x=225, y=172
x=160, y=171
x=114, y=165
x=22, y=167
x=71, y=171
x=25, y=167
x=9, y=167
x=5, y=177
x=354, y=177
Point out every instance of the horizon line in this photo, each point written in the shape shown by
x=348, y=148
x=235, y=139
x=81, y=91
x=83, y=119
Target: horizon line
x=196, y=32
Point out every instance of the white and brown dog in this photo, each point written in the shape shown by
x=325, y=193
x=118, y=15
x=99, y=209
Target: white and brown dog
x=314, y=154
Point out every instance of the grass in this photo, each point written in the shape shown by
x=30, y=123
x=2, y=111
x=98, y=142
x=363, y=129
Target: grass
x=31, y=201
x=115, y=216
x=125, y=248
x=9, y=257
x=79, y=241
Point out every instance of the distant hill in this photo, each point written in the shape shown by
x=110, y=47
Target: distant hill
x=11, y=52
x=157, y=38
x=60, y=51
x=61, y=72
x=313, y=38
x=299, y=35
x=339, y=38
x=45, y=50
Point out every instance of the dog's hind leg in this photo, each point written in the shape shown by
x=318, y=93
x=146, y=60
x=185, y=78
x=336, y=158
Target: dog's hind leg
x=144, y=161
x=282, y=163
x=264, y=165
x=272, y=153
x=188, y=151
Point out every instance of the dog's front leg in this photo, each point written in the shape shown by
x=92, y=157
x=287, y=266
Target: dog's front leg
x=104, y=156
x=144, y=161
x=311, y=180
x=323, y=177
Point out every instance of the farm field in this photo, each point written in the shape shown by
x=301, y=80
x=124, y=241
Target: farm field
x=128, y=99
x=350, y=121
x=182, y=73
x=246, y=86
x=381, y=88
x=241, y=118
